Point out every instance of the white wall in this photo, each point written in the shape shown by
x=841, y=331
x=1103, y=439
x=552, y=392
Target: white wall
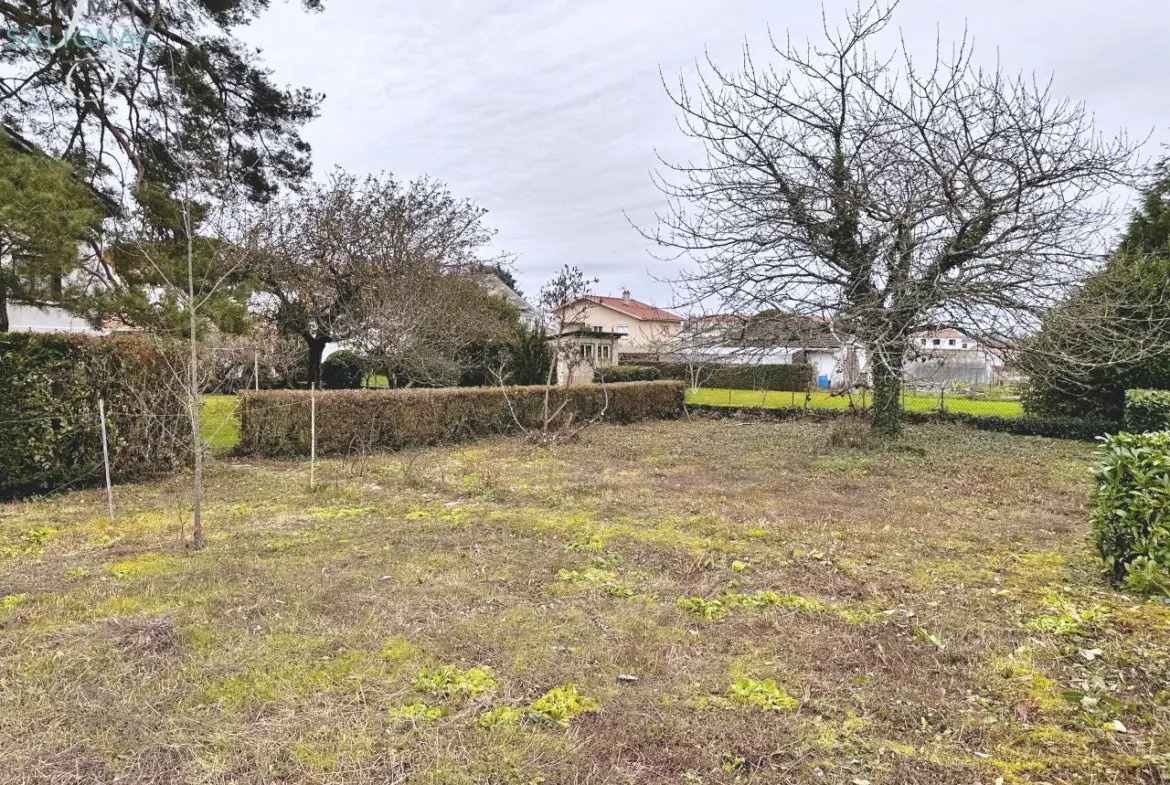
x=26, y=318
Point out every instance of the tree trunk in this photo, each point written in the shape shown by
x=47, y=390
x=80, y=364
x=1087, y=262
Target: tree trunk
x=887, y=389
x=3, y=304
x=316, y=349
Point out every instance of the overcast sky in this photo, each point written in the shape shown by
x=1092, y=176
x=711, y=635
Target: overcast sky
x=549, y=112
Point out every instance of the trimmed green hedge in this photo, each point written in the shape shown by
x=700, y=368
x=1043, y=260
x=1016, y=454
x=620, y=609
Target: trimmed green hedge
x=351, y=422
x=1082, y=429
x=796, y=377
x=1131, y=510
x=626, y=373
x=1147, y=410
x=50, y=384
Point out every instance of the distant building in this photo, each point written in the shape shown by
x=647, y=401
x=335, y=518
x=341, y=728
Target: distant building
x=642, y=327
x=584, y=350
x=948, y=357
x=838, y=360
x=495, y=285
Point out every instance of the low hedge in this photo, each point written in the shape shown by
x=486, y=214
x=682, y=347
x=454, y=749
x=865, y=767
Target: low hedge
x=796, y=377
x=1050, y=427
x=1081, y=429
x=1147, y=410
x=1131, y=510
x=350, y=422
x=626, y=373
x=50, y=434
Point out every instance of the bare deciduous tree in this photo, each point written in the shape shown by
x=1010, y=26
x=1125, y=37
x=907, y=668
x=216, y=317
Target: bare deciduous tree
x=423, y=320
x=317, y=256
x=890, y=197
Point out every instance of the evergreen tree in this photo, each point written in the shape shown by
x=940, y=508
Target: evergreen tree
x=45, y=214
x=1112, y=334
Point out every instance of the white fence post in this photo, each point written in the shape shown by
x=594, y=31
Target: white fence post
x=106, y=457
x=312, y=435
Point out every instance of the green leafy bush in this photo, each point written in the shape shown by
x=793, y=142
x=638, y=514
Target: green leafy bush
x=276, y=423
x=626, y=373
x=796, y=377
x=342, y=370
x=50, y=384
x=1131, y=510
x=1147, y=410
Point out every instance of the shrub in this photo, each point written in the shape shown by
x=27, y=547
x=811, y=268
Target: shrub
x=1147, y=410
x=796, y=377
x=1131, y=510
x=50, y=384
x=352, y=421
x=342, y=370
x=851, y=432
x=626, y=373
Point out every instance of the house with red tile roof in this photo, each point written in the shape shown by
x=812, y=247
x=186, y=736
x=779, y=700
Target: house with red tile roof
x=644, y=328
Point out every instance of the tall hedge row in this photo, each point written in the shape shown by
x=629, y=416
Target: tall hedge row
x=49, y=427
x=796, y=377
x=350, y=422
x=1147, y=410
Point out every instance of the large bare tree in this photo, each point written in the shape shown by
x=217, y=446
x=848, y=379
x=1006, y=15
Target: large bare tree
x=888, y=196
x=423, y=320
x=318, y=257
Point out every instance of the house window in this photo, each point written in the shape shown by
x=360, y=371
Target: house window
x=937, y=342
x=951, y=342
x=924, y=342
x=964, y=344
x=598, y=328
x=587, y=351
x=624, y=329
x=604, y=352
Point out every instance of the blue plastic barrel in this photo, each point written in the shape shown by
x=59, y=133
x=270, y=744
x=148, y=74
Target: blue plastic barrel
x=823, y=382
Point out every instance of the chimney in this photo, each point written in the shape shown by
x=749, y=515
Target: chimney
x=626, y=296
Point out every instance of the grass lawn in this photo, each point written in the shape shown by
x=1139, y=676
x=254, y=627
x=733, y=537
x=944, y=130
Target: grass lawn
x=694, y=601
x=220, y=423
x=823, y=400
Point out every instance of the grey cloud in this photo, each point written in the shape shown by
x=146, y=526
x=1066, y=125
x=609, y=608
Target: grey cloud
x=549, y=112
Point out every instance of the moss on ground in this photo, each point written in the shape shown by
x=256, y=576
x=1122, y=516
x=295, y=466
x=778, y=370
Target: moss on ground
x=512, y=614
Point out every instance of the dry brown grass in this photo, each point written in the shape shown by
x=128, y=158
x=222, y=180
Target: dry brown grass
x=935, y=613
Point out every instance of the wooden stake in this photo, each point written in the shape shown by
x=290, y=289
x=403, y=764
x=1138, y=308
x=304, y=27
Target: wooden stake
x=256, y=369
x=106, y=457
x=312, y=436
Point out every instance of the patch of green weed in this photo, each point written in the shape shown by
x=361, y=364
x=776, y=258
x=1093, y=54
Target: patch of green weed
x=711, y=610
x=417, y=712
x=764, y=694
x=447, y=681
